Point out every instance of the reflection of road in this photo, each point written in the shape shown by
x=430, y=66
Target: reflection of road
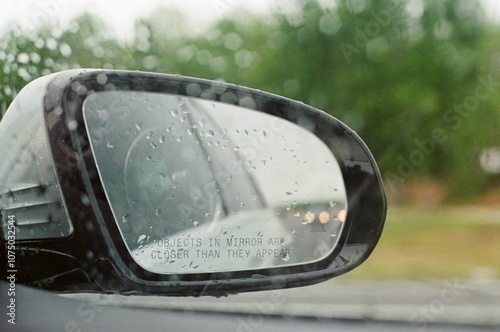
x=238, y=242
x=416, y=304
x=245, y=240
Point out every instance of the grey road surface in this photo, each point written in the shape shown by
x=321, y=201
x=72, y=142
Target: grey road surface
x=417, y=304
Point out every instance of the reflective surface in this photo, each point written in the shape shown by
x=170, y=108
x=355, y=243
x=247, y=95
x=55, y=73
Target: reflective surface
x=201, y=186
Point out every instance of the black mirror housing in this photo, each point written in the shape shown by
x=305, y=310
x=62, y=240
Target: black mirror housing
x=63, y=230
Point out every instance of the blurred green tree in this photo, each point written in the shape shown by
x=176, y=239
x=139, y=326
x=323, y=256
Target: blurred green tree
x=415, y=78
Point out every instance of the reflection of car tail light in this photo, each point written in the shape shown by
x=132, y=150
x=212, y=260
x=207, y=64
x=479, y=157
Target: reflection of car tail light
x=341, y=215
x=324, y=217
x=309, y=217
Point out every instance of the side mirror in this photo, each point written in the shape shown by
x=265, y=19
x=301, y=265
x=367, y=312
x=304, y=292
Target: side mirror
x=142, y=183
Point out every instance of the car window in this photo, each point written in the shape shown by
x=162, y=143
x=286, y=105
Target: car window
x=418, y=80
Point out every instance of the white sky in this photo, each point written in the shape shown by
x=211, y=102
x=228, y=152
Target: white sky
x=121, y=15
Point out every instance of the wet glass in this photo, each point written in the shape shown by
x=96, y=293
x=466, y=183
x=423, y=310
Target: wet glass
x=202, y=186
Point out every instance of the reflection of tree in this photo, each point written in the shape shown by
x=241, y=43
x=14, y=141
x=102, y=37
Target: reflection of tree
x=389, y=69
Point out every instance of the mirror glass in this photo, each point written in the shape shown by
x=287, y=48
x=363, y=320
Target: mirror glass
x=201, y=186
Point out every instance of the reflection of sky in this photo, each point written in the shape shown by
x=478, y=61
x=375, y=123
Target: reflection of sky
x=121, y=17
x=289, y=163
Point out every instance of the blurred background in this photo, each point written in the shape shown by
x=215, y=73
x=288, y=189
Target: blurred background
x=418, y=80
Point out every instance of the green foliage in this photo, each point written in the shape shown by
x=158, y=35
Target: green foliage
x=404, y=76
x=434, y=243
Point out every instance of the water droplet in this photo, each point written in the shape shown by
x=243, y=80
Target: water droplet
x=162, y=175
x=141, y=239
x=161, y=139
x=125, y=217
x=149, y=135
x=287, y=257
x=210, y=133
x=196, y=223
x=101, y=79
x=103, y=114
x=296, y=214
x=157, y=212
x=153, y=145
x=23, y=58
x=72, y=125
x=179, y=139
x=190, y=131
x=138, y=125
x=110, y=145
x=174, y=112
x=85, y=200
